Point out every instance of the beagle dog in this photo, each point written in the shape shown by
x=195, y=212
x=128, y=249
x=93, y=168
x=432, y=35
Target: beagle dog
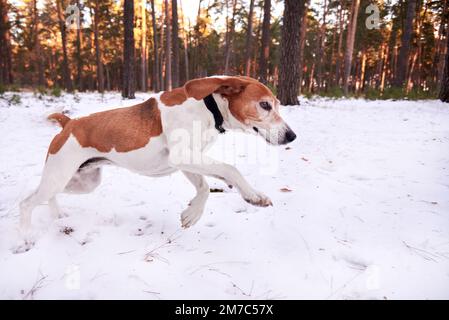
x=154, y=138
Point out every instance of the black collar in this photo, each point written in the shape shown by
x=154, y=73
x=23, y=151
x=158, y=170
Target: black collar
x=212, y=106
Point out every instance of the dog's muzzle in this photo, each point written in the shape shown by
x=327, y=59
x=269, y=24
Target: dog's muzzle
x=277, y=136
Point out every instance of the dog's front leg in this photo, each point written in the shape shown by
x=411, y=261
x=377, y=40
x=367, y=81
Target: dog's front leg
x=230, y=174
x=193, y=213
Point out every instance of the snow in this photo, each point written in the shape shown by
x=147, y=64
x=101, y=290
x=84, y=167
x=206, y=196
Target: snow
x=361, y=211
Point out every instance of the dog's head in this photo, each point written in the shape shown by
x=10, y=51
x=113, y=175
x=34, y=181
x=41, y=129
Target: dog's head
x=251, y=103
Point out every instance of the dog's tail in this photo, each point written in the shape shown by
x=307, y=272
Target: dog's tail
x=62, y=119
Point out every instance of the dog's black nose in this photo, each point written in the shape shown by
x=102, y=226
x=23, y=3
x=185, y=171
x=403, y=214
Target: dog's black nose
x=289, y=136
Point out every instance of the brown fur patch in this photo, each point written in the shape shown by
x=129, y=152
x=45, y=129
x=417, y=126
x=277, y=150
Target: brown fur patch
x=123, y=129
x=62, y=119
x=242, y=93
x=174, y=97
x=244, y=106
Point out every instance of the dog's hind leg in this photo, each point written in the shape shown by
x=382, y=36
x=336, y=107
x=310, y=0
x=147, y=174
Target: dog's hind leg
x=53, y=182
x=58, y=171
x=193, y=213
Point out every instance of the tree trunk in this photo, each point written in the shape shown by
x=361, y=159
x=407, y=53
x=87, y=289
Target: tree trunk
x=321, y=38
x=362, y=71
x=156, y=69
x=143, y=48
x=302, y=42
x=248, y=42
x=409, y=82
x=444, y=87
x=5, y=45
x=340, y=44
x=439, y=52
x=129, y=81
x=108, y=78
x=79, y=61
x=175, y=44
x=168, y=79
x=265, y=47
x=100, y=75
x=230, y=38
x=161, y=57
x=186, y=47
x=254, y=70
x=406, y=39
x=384, y=69
x=289, y=63
x=37, y=46
x=312, y=72
x=350, y=43
x=67, y=81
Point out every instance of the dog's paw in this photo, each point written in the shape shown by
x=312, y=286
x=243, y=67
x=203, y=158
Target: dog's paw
x=25, y=242
x=258, y=199
x=190, y=216
x=22, y=247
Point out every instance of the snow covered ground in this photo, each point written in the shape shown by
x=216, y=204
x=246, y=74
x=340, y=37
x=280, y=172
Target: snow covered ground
x=361, y=211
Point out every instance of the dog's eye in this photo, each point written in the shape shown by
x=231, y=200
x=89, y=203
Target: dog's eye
x=265, y=105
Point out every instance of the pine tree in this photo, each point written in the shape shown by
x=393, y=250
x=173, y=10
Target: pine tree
x=98, y=60
x=175, y=44
x=129, y=86
x=248, y=42
x=265, y=47
x=168, y=49
x=406, y=41
x=288, y=88
x=350, y=44
x=5, y=45
x=66, y=78
x=156, y=64
x=444, y=87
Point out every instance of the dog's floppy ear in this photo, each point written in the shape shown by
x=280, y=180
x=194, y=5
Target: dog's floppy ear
x=201, y=88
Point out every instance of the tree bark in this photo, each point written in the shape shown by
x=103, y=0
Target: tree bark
x=350, y=43
x=404, y=52
x=340, y=44
x=439, y=52
x=168, y=56
x=162, y=55
x=444, y=87
x=143, y=48
x=129, y=81
x=175, y=44
x=321, y=38
x=37, y=46
x=6, y=76
x=289, y=64
x=98, y=60
x=384, y=69
x=186, y=46
x=230, y=38
x=67, y=81
x=79, y=61
x=304, y=21
x=248, y=42
x=362, y=71
x=156, y=69
x=265, y=47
